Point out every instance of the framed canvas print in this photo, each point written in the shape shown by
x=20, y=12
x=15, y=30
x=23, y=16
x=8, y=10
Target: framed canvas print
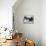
x=28, y=19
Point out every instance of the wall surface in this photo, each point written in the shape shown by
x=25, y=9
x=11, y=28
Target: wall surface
x=43, y=22
x=6, y=13
x=30, y=31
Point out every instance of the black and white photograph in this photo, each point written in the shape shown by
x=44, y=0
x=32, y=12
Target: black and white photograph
x=28, y=19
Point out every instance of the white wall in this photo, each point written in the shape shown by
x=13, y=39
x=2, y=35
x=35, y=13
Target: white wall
x=6, y=13
x=43, y=22
x=31, y=31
